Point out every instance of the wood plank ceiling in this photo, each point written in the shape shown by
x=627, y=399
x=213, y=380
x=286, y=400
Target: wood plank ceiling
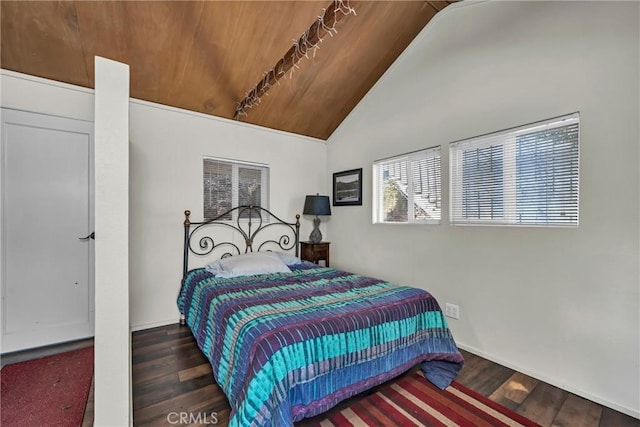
x=206, y=55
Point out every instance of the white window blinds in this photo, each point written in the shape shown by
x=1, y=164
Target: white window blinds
x=522, y=176
x=229, y=183
x=407, y=188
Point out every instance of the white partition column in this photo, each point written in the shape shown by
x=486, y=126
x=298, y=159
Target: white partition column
x=112, y=333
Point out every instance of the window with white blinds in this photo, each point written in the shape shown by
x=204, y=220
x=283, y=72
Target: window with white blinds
x=229, y=183
x=523, y=176
x=407, y=188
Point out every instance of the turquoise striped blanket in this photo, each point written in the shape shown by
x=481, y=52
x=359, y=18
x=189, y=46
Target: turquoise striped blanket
x=287, y=346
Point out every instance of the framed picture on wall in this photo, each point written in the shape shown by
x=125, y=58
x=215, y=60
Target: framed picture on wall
x=347, y=188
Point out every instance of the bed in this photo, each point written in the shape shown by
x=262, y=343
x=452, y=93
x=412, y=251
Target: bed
x=289, y=343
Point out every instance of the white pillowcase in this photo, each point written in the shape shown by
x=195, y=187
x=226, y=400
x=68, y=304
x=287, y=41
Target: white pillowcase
x=214, y=268
x=249, y=264
x=288, y=258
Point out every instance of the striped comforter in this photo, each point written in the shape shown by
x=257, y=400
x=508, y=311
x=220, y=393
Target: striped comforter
x=287, y=346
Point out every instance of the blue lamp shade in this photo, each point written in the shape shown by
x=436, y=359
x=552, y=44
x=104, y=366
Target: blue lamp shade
x=317, y=205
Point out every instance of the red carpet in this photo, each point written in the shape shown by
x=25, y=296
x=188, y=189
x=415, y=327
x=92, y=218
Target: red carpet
x=51, y=391
x=413, y=401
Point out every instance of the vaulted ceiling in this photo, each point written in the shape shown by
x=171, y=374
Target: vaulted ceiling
x=206, y=56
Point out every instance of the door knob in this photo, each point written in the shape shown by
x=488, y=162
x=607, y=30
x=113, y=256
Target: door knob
x=90, y=236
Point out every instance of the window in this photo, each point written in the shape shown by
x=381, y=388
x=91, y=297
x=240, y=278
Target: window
x=229, y=183
x=407, y=188
x=522, y=176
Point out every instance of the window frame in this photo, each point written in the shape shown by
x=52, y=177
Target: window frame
x=378, y=202
x=235, y=184
x=508, y=140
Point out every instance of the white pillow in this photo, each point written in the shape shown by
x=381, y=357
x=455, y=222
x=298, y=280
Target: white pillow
x=214, y=268
x=252, y=263
x=288, y=258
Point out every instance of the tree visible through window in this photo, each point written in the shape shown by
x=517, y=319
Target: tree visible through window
x=229, y=184
x=407, y=188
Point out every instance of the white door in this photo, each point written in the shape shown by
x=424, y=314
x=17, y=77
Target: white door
x=47, y=206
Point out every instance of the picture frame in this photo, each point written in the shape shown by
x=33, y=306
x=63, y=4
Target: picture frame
x=347, y=188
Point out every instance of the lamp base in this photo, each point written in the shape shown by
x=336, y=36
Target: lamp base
x=316, y=235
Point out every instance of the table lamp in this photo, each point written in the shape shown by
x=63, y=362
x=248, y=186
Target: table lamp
x=316, y=205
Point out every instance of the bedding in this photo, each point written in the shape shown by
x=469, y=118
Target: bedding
x=285, y=346
x=250, y=264
x=288, y=258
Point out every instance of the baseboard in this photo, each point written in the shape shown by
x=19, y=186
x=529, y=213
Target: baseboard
x=43, y=351
x=143, y=326
x=628, y=411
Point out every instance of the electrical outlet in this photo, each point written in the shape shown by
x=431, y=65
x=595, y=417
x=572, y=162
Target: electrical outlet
x=452, y=310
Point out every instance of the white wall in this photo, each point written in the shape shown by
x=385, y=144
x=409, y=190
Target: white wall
x=165, y=178
x=112, y=333
x=562, y=305
x=29, y=93
x=559, y=304
x=167, y=148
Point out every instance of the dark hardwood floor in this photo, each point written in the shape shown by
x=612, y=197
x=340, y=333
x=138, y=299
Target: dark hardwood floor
x=171, y=378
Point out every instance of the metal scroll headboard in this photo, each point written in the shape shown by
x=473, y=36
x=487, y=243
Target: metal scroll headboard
x=248, y=221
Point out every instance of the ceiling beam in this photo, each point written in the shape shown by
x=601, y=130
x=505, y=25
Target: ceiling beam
x=325, y=24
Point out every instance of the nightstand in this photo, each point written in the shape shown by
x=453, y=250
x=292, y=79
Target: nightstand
x=315, y=252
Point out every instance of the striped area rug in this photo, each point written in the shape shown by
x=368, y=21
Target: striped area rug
x=414, y=401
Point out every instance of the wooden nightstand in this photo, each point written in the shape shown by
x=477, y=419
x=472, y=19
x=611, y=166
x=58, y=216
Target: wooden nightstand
x=315, y=252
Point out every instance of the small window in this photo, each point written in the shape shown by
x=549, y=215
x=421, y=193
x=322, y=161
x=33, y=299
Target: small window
x=522, y=176
x=407, y=188
x=229, y=183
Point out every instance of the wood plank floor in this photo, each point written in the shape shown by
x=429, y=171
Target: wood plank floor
x=171, y=376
